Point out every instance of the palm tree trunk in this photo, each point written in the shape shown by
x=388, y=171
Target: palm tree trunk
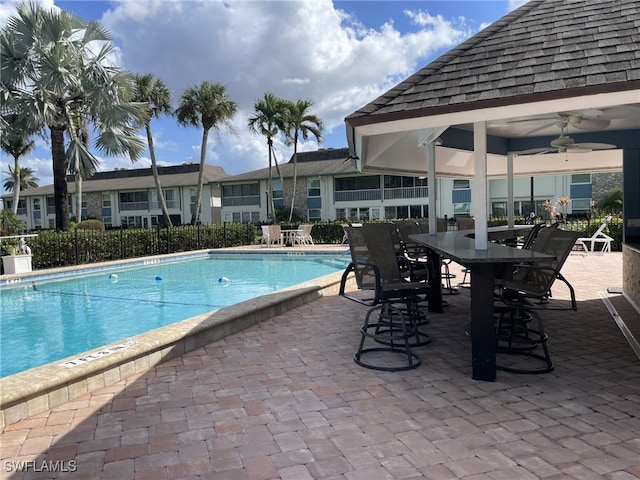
x=60, y=193
x=295, y=174
x=156, y=178
x=16, y=185
x=78, y=196
x=203, y=156
x=270, y=186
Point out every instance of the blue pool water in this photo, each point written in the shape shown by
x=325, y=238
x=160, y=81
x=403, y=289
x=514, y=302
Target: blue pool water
x=50, y=320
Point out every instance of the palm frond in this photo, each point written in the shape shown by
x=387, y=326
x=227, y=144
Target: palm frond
x=80, y=160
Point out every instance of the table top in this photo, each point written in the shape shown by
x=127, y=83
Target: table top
x=501, y=232
x=460, y=248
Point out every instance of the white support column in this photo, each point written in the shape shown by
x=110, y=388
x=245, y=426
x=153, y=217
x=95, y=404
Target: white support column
x=432, y=185
x=510, y=215
x=480, y=184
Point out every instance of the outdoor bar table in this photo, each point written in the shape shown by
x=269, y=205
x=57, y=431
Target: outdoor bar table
x=501, y=233
x=485, y=267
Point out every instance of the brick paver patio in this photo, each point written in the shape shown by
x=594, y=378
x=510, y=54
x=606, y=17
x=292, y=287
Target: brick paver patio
x=284, y=400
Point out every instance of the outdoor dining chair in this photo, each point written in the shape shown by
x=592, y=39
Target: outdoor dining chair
x=521, y=301
x=391, y=325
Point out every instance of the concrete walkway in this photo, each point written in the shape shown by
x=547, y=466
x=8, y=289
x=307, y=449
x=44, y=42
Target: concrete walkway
x=284, y=400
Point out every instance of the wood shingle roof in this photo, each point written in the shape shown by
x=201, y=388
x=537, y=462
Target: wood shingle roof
x=546, y=49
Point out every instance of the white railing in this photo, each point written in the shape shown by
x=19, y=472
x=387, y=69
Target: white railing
x=405, y=192
x=357, y=195
x=128, y=206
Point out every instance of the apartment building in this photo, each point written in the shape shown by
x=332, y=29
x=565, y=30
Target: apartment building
x=128, y=197
x=327, y=188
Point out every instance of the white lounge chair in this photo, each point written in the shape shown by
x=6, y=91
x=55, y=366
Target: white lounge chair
x=303, y=235
x=271, y=235
x=591, y=244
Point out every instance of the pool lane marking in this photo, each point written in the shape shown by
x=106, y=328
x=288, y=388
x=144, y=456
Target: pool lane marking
x=126, y=299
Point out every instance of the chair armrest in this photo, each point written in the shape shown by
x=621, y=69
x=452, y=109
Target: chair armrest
x=353, y=268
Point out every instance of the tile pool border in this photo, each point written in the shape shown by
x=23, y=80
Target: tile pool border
x=39, y=389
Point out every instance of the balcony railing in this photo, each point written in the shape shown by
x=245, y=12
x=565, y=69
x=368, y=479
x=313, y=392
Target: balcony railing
x=155, y=205
x=357, y=195
x=375, y=194
x=240, y=201
x=405, y=192
x=129, y=206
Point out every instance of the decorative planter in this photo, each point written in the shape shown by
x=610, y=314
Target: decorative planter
x=16, y=264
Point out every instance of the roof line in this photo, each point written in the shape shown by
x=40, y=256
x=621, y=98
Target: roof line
x=357, y=121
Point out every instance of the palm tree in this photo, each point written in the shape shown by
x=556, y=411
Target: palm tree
x=156, y=95
x=208, y=106
x=80, y=169
x=26, y=181
x=16, y=143
x=299, y=122
x=612, y=203
x=266, y=121
x=56, y=69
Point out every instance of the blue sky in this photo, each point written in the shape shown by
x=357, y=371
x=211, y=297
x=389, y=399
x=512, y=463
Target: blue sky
x=342, y=55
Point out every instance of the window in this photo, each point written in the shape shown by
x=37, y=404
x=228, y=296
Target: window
x=356, y=214
x=171, y=198
x=106, y=209
x=581, y=205
x=314, y=215
x=462, y=210
x=240, y=194
x=357, y=183
x=246, y=217
x=406, y=211
x=278, y=194
x=581, y=178
x=457, y=184
x=37, y=214
x=22, y=206
x=313, y=187
x=134, y=201
x=132, y=221
x=397, y=181
x=499, y=209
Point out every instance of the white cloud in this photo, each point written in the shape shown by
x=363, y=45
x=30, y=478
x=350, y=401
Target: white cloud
x=301, y=49
x=296, y=49
x=513, y=4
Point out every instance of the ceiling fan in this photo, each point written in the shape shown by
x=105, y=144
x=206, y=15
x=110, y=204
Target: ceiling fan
x=586, y=119
x=565, y=144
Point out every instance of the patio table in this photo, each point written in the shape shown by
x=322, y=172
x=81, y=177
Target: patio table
x=485, y=266
x=288, y=237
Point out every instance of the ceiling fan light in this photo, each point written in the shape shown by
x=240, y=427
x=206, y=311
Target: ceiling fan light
x=562, y=141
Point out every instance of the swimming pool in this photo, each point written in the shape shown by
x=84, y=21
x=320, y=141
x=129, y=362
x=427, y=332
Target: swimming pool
x=47, y=320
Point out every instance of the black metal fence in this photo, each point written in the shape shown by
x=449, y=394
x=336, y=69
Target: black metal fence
x=56, y=249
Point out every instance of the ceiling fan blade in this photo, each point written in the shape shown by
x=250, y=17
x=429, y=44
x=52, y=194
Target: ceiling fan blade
x=575, y=149
x=533, y=151
x=591, y=123
x=593, y=146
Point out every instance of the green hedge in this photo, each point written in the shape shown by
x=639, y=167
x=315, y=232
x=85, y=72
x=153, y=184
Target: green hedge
x=79, y=246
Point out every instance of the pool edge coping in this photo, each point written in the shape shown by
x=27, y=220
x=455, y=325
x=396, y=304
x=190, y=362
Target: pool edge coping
x=39, y=389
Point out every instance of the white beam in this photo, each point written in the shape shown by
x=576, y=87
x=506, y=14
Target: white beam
x=480, y=184
x=510, y=215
